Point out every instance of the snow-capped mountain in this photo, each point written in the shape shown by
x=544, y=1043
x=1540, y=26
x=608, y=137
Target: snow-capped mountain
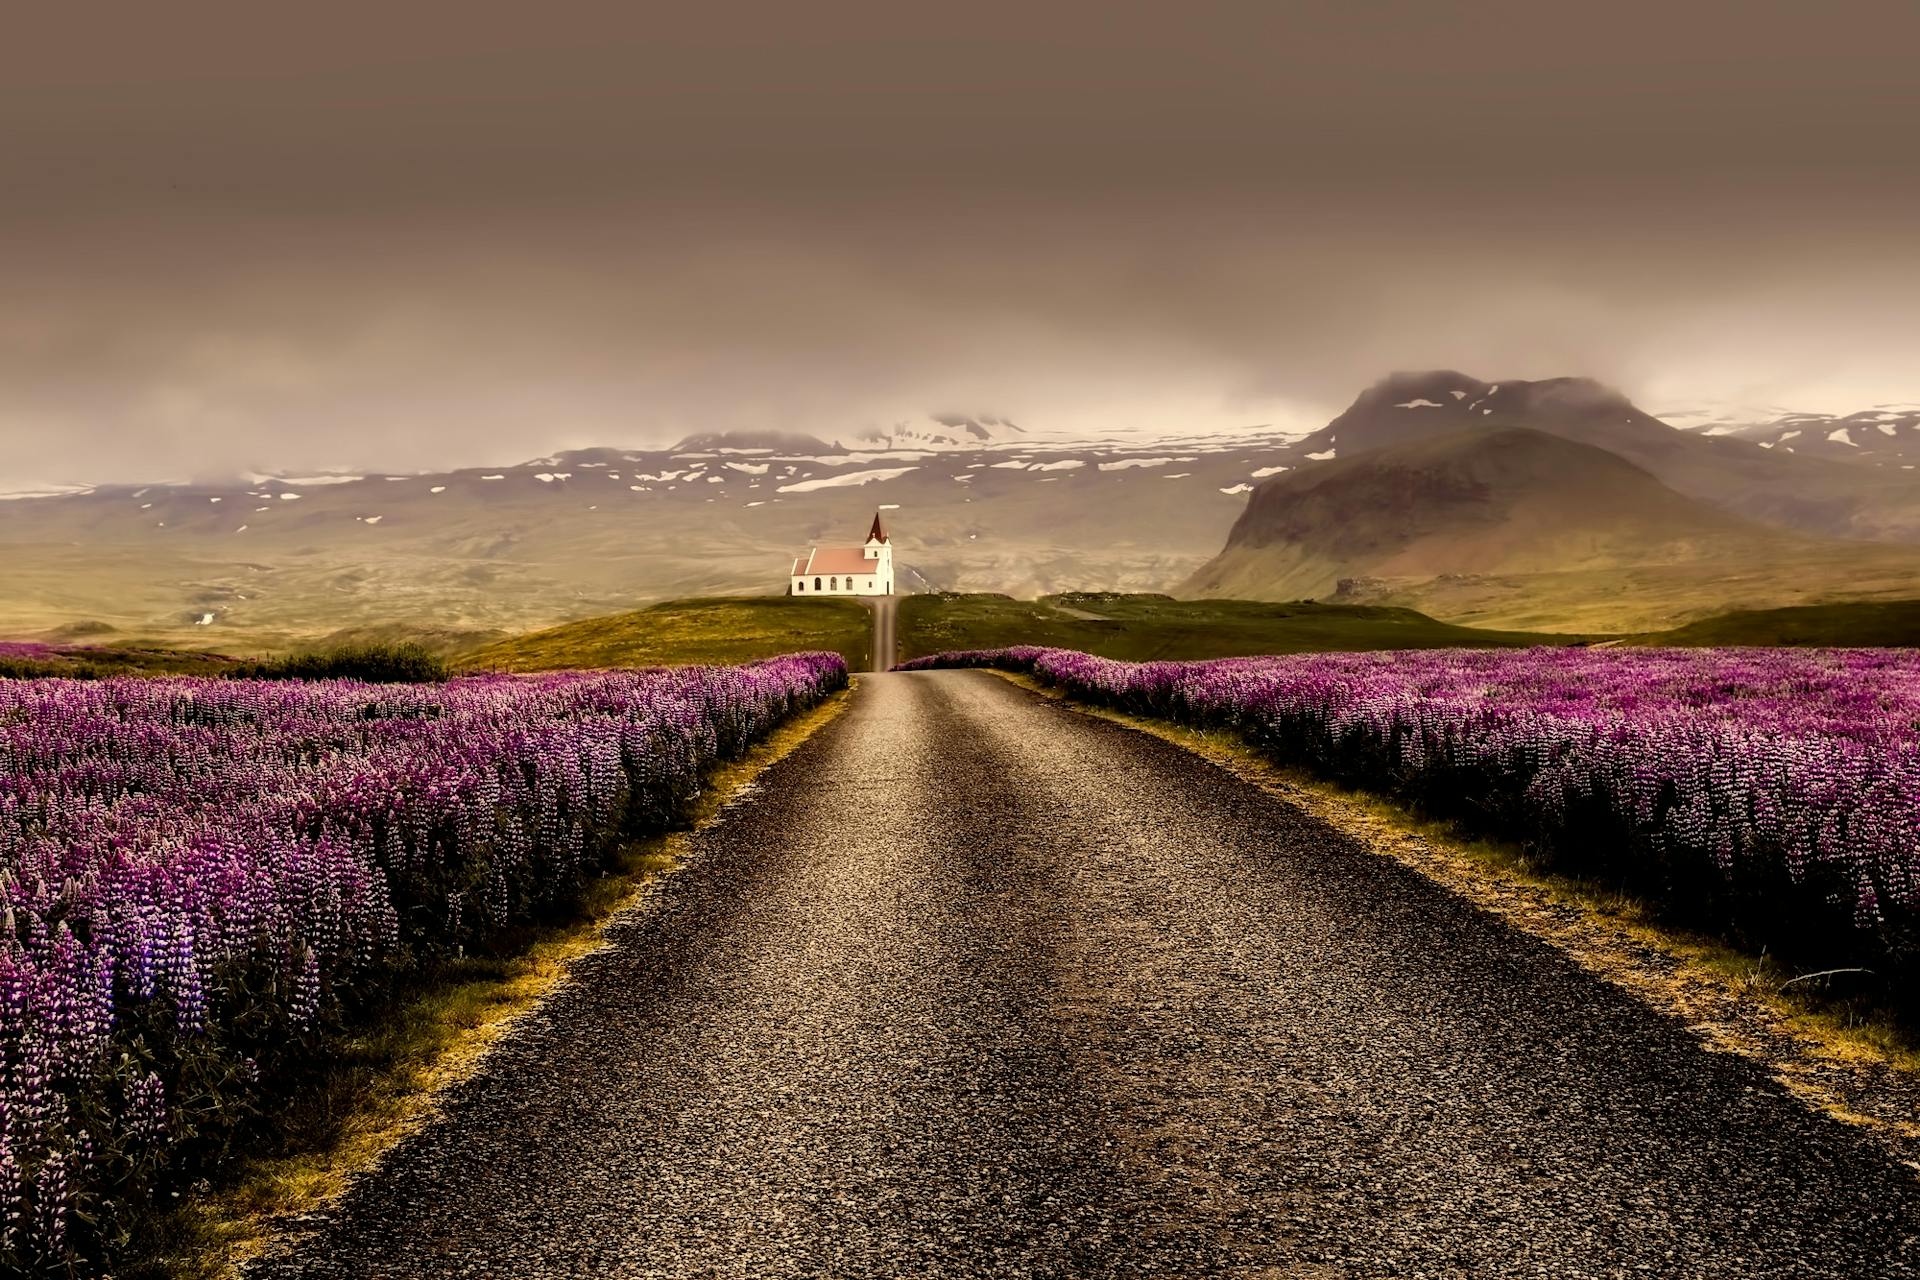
x=1884, y=435
x=596, y=530
x=943, y=431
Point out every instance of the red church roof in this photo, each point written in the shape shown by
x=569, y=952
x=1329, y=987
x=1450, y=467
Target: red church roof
x=836, y=560
x=841, y=561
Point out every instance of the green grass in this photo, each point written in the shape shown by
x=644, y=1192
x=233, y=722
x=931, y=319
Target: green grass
x=1867, y=623
x=388, y=663
x=441, y=641
x=719, y=629
x=1139, y=628
x=89, y=662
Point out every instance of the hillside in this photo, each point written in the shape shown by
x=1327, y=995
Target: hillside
x=1150, y=627
x=1890, y=623
x=1518, y=528
x=685, y=631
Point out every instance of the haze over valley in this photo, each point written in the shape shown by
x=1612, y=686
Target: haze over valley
x=1548, y=505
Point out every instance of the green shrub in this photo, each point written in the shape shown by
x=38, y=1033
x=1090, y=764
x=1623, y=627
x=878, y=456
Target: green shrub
x=404, y=663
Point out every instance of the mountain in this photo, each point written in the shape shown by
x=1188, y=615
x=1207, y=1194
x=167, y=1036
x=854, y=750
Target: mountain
x=1513, y=526
x=1812, y=494
x=1883, y=436
x=754, y=442
x=943, y=431
x=1414, y=406
x=1486, y=500
x=265, y=560
x=1537, y=539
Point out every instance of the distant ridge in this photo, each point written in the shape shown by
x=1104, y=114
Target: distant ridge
x=777, y=441
x=944, y=431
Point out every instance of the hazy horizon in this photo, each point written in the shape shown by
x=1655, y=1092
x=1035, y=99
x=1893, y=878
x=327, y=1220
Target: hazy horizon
x=369, y=240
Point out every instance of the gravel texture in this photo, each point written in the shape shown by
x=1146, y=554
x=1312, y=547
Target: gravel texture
x=886, y=613
x=973, y=985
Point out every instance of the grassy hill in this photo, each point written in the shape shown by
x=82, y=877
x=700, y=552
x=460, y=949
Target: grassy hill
x=1115, y=625
x=95, y=661
x=1133, y=627
x=1142, y=628
x=1640, y=598
x=1867, y=624
x=720, y=629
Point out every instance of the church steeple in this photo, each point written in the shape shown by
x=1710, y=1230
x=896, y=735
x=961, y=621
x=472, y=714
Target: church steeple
x=878, y=533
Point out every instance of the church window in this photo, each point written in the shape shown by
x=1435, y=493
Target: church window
x=816, y=584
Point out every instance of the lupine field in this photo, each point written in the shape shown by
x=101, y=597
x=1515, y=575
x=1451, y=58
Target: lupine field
x=1773, y=794
x=200, y=878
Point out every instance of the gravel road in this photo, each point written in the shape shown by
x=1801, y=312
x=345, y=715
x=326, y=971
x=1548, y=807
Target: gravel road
x=973, y=985
x=886, y=610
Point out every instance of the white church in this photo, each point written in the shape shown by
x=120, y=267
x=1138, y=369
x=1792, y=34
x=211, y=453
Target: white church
x=846, y=571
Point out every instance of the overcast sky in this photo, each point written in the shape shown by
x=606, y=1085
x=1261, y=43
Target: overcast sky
x=373, y=236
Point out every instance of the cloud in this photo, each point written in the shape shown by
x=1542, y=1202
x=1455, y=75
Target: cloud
x=225, y=247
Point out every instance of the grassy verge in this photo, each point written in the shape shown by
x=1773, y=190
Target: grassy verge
x=1143, y=627
x=1866, y=623
x=385, y=1080
x=381, y=662
x=98, y=662
x=720, y=630
x=1841, y=1051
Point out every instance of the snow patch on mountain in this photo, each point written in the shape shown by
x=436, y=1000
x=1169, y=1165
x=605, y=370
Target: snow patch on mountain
x=846, y=479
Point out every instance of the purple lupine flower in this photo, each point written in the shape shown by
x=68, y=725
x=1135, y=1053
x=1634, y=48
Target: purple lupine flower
x=160, y=835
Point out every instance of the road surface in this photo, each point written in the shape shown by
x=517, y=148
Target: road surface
x=885, y=610
x=974, y=986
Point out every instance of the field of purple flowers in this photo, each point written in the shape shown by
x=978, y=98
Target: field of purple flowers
x=199, y=878
x=1773, y=794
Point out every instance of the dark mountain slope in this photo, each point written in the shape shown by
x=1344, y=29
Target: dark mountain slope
x=1510, y=527
x=1810, y=494
x=1491, y=500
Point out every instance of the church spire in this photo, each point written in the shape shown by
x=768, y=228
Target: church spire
x=878, y=533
